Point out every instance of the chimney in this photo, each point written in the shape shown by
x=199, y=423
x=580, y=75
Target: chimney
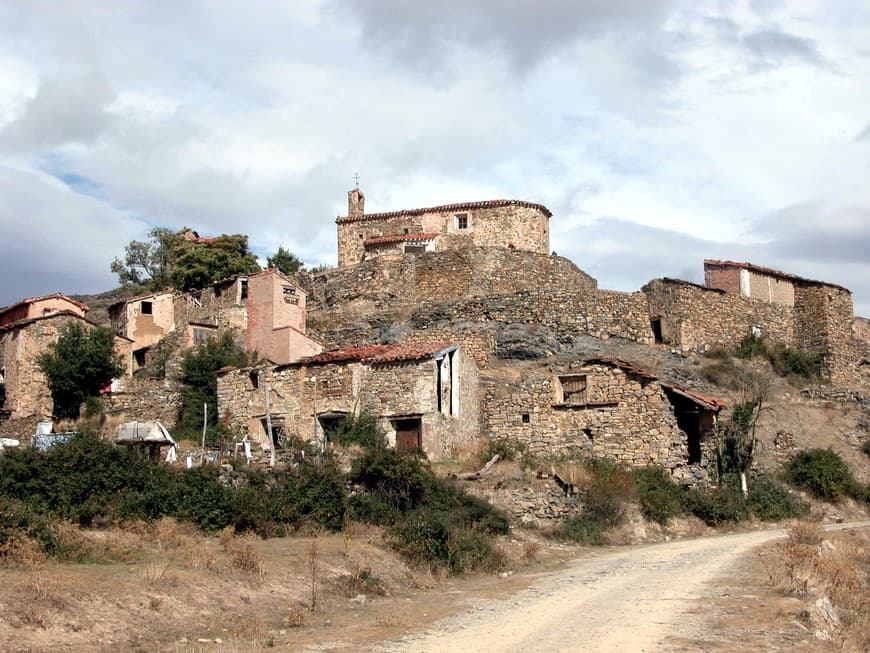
x=356, y=202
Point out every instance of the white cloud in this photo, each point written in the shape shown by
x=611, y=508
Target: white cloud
x=655, y=131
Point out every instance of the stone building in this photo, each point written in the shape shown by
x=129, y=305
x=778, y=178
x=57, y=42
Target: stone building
x=513, y=224
x=33, y=307
x=602, y=408
x=742, y=299
x=21, y=345
x=424, y=395
x=145, y=319
x=266, y=309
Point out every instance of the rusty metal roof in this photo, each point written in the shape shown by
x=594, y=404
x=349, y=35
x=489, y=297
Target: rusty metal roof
x=444, y=208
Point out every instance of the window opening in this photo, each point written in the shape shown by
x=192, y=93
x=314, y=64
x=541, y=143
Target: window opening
x=573, y=389
x=139, y=357
x=656, y=325
x=290, y=296
x=462, y=221
x=526, y=418
x=254, y=377
x=147, y=308
x=243, y=291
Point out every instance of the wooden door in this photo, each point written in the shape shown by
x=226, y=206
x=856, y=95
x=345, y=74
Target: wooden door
x=408, y=434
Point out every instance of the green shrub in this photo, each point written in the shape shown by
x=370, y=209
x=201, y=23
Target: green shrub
x=362, y=430
x=771, y=501
x=783, y=358
x=504, y=449
x=716, y=507
x=431, y=520
x=751, y=346
x=822, y=472
x=660, y=497
x=603, y=502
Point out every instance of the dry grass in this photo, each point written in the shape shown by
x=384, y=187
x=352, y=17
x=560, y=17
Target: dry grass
x=820, y=567
x=22, y=552
x=296, y=617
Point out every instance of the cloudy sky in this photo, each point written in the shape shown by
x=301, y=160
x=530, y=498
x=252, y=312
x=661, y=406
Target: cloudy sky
x=658, y=132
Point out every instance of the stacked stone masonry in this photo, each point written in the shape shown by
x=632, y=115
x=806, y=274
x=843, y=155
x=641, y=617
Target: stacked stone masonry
x=622, y=416
x=499, y=223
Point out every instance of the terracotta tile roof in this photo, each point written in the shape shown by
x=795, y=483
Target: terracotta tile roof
x=403, y=351
x=31, y=300
x=710, y=402
x=444, y=208
x=398, y=238
x=769, y=272
x=20, y=324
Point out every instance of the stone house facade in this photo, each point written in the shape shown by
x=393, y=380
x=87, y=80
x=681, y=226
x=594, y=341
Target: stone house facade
x=513, y=224
x=33, y=307
x=424, y=395
x=603, y=408
x=21, y=345
x=266, y=309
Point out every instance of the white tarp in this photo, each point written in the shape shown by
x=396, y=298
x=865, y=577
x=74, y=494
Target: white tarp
x=152, y=432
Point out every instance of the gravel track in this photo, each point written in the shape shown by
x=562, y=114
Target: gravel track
x=626, y=600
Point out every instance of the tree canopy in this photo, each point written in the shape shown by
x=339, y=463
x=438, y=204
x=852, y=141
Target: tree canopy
x=197, y=264
x=148, y=265
x=285, y=261
x=168, y=259
x=198, y=379
x=79, y=365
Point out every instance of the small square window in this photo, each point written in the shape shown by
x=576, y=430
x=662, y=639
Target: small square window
x=406, y=230
x=573, y=389
x=147, y=308
x=526, y=418
x=462, y=221
x=290, y=296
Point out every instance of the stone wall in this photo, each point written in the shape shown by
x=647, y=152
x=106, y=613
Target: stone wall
x=475, y=322
x=624, y=417
x=695, y=318
x=824, y=323
x=500, y=223
x=387, y=282
x=143, y=399
x=21, y=345
x=299, y=392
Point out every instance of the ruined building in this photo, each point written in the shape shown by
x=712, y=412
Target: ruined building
x=27, y=330
x=424, y=395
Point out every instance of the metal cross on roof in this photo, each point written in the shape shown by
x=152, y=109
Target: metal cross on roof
x=356, y=179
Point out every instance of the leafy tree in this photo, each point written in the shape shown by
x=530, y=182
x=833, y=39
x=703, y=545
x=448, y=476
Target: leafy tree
x=285, y=261
x=78, y=365
x=198, y=264
x=198, y=377
x=148, y=265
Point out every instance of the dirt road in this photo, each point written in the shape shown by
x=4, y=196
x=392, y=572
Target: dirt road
x=627, y=600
